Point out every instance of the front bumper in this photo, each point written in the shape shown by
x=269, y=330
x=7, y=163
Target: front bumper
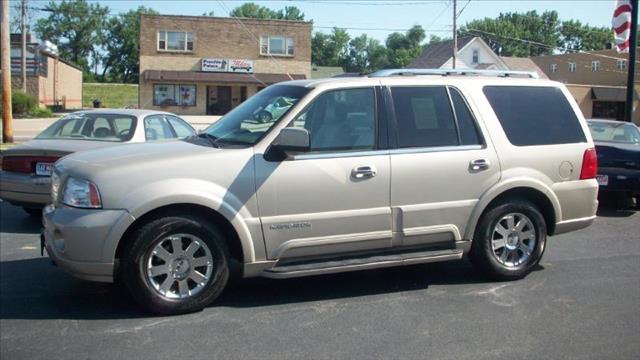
x=82, y=241
x=620, y=179
x=25, y=189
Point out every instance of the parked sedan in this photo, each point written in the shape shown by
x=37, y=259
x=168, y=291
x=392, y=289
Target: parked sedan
x=26, y=168
x=618, y=148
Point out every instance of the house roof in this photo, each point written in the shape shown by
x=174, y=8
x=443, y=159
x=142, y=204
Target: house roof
x=219, y=77
x=523, y=64
x=438, y=54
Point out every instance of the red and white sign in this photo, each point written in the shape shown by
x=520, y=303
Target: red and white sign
x=622, y=25
x=241, y=65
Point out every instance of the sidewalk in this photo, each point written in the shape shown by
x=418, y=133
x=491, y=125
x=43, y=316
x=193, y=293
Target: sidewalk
x=26, y=129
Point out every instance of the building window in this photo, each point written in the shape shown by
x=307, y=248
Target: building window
x=554, y=68
x=476, y=57
x=621, y=64
x=595, y=65
x=277, y=45
x=175, y=41
x=572, y=67
x=174, y=95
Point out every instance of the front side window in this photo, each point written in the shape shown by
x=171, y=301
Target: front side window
x=156, y=127
x=424, y=117
x=249, y=121
x=180, y=127
x=101, y=127
x=174, y=95
x=341, y=120
x=534, y=115
x=175, y=41
x=277, y=45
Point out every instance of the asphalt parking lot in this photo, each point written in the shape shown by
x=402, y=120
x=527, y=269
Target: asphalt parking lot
x=583, y=302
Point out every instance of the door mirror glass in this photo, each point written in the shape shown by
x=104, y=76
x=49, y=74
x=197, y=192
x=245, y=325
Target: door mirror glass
x=292, y=141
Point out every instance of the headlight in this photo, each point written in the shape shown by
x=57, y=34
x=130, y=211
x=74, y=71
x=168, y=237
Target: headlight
x=55, y=186
x=82, y=194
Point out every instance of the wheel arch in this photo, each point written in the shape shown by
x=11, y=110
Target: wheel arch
x=536, y=192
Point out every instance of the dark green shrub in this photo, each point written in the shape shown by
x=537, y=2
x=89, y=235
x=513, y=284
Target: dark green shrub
x=22, y=104
x=40, y=112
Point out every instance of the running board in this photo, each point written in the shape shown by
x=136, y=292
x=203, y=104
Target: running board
x=360, y=263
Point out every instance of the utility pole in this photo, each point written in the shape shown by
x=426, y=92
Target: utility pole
x=5, y=49
x=455, y=32
x=23, y=52
x=633, y=39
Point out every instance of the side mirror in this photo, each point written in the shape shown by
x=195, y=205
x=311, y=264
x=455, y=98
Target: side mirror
x=292, y=141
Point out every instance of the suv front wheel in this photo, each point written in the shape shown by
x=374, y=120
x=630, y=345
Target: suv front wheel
x=510, y=240
x=176, y=264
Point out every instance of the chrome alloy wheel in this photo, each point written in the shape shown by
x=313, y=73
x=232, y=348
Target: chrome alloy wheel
x=179, y=266
x=513, y=239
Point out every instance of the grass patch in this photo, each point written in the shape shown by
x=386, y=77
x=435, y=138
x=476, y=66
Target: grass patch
x=111, y=95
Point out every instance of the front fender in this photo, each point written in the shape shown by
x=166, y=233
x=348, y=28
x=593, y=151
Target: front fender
x=198, y=192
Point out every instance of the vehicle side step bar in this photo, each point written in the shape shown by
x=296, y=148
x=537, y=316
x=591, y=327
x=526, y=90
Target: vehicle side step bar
x=360, y=263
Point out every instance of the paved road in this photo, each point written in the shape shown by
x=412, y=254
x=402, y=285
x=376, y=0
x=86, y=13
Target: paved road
x=582, y=303
x=26, y=129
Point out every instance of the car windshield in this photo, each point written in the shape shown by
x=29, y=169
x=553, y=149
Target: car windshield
x=88, y=126
x=247, y=123
x=614, y=132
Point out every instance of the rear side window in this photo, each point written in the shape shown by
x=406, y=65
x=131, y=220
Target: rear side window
x=535, y=115
x=468, y=130
x=424, y=117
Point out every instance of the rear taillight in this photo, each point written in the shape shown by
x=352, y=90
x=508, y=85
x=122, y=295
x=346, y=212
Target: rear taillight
x=25, y=164
x=589, y=164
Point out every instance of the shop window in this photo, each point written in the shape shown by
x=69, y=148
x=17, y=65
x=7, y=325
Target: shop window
x=174, y=95
x=175, y=41
x=277, y=45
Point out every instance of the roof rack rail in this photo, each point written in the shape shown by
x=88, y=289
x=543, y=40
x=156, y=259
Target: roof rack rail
x=453, y=72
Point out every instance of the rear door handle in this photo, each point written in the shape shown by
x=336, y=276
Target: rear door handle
x=479, y=165
x=364, y=172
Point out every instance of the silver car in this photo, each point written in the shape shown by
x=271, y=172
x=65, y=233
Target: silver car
x=358, y=173
x=26, y=168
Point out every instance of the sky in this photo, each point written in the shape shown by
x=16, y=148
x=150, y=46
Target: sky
x=379, y=18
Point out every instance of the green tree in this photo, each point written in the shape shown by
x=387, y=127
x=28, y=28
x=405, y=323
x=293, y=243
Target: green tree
x=402, y=48
x=77, y=27
x=122, y=46
x=575, y=36
x=253, y=10
x=330, y=49
x=509, y=29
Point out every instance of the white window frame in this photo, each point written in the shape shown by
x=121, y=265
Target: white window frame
x=288, y=43
x=595, y=65
x=554, y=68
x=621, y=64
x=475, y=56
x=187, y=35
x=176, y=97
x=572, y=67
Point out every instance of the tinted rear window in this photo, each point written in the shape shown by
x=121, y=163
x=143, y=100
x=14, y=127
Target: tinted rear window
x=535, y=115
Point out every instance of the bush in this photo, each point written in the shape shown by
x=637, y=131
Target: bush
x=22, y=104
x=39, y=112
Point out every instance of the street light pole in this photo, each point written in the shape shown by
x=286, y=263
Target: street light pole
x=633, y=39
x=23, y=53
x=5, y=47
x=455, y=33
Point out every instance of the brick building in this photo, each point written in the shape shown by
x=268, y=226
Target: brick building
x=55, y=82
x=195, y=65
x=597, y=80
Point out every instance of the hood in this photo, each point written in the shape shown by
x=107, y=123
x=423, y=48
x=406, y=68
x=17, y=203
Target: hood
x=55, y=147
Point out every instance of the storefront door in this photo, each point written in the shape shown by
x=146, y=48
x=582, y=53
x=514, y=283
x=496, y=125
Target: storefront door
x=224, y=100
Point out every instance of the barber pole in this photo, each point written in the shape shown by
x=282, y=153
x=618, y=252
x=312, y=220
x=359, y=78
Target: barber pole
x=625, y=30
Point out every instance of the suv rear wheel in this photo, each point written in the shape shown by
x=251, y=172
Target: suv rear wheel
x=176, y=264
x=510, y=240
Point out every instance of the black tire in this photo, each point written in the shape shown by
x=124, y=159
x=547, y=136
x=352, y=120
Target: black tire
x=264, y=116
x=482, y=254
x=33, y=212
x=137, y=252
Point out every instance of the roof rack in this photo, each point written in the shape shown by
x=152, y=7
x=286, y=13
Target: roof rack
x=453, y=72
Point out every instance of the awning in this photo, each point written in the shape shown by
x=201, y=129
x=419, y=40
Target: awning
x=218, y=77
x=610, y=94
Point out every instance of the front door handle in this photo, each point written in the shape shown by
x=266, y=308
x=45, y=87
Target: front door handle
x=364, y=172
x=479, y=165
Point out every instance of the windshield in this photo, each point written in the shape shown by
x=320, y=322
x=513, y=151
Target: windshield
x=247, y=123
x=88, y=126
x=614, y=132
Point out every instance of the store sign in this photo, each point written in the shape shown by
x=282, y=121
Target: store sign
x=215, y=65
x=227, y=65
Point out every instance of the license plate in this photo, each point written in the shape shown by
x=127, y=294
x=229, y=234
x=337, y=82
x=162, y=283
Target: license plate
x=44, y=169
x=603, y=180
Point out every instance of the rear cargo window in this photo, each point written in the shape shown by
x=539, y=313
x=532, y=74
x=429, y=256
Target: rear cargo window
x=535, y=115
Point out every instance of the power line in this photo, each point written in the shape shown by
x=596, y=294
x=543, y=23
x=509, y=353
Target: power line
x=373, y=28
x=374, y=3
